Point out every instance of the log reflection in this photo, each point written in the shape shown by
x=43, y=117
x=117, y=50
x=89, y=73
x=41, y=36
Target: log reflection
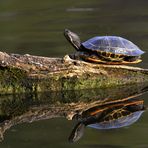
x=88, y=106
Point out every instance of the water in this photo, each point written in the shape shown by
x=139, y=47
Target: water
x=40, y=119
x=36, y=27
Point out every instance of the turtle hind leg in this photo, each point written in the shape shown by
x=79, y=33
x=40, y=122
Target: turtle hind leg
x=132, y=59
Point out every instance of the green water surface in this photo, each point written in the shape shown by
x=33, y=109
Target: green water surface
x=36, y=27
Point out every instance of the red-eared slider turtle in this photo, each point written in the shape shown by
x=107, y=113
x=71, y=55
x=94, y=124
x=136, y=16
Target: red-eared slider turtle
x=105, y=49
x=108, y=116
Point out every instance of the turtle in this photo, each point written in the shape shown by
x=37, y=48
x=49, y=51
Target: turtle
x=104, y=49
x=108, y=116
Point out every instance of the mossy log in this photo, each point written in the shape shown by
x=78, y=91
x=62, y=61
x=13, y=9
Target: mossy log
x=27, y=73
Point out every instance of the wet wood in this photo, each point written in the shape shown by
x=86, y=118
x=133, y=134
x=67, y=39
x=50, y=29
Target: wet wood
x=23, y=73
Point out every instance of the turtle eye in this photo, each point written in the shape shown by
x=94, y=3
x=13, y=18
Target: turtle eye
x=66, y=31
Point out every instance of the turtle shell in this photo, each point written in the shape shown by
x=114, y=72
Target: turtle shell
x=118, y=123
x=113, y=115
x=112, y=44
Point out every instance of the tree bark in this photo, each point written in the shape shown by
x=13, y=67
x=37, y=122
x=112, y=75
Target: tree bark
x=27, y=73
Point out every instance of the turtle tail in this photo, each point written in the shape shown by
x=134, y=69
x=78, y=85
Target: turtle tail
x=77, y=132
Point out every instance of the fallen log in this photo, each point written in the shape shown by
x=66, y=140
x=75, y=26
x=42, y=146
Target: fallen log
x=27, y=73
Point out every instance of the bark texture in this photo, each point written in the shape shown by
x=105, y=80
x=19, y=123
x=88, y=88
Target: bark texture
x=27, y=73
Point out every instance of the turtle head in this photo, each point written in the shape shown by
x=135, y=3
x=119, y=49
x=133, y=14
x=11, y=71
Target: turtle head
x=73, y=39
x=77, y=132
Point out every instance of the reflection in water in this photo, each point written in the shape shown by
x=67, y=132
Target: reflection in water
x=108, y=116
x=95, y=108
x=79, y=9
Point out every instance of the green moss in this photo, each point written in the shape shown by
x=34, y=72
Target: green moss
x=87, y=81
x=13, y=80
x=101, y=81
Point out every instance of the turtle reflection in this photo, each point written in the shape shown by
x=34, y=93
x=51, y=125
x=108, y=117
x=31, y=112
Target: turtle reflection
x=108, y=116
